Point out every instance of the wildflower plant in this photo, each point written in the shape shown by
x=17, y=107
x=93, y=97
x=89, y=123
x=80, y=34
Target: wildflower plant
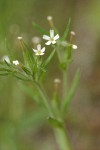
x=34, y=67
x=39, y=51
x=51, y=39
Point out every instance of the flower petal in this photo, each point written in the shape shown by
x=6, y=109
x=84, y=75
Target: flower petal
x=16, y=62
x=6, y=58
x=46, y=37
x=53, y=42
x=35, y=50
x=51, y=33
x=48, y=43
x=39, y=47
x=43, y=49
x=56, y=37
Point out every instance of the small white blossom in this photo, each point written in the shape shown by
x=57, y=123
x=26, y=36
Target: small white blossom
x=16, y=62
x=51, y=39
x=6, y=58
x=39, y=51
x=74, y=46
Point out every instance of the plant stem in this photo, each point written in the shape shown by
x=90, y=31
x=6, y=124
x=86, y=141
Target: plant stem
x=65, y=84
x=45, y=98
x=59, y=55
x=62, y=138
x=72, y=91
x=60, y=132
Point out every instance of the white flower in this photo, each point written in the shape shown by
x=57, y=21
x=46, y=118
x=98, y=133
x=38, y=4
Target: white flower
x=74, y=46
x=6, y=58
x=51, y=39
x=39, y=51
x=16, y=62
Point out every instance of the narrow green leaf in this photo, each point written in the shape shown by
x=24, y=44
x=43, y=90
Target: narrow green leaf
x=20, y=76
x=4, y=69
x=4, y=73
x=10, y=53
x=42, y=69
x=4, y=63
x=38, y=28
x=1, y=62
x=31, y=92
x=72, y=91
x=8, y=64
x=33, y=119
x=28, y=57
x=69, y=53
x=47, y=61
x=67, y=30
x=44, y=65
x=26, y=70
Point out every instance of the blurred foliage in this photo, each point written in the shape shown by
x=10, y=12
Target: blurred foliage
x=19, y=128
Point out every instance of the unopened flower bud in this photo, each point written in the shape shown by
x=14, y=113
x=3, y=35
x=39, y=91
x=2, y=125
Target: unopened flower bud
x=36, y=40
x=57, y=81
x=49, y=18
x=19, y=38
x=72, y=33
x=74, y=46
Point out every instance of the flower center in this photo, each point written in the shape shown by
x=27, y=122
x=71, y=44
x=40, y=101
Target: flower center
x=39, y=52
x=52, y=39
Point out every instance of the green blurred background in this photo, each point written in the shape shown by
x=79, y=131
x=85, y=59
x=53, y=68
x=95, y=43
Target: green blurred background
x=22, y=124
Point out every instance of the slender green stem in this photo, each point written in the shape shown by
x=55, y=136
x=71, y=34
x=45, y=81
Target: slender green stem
x=65, y=84
x=62, y=138
x=60, y=132
x=59, y=55
x=45, y=98
x=71, y=92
